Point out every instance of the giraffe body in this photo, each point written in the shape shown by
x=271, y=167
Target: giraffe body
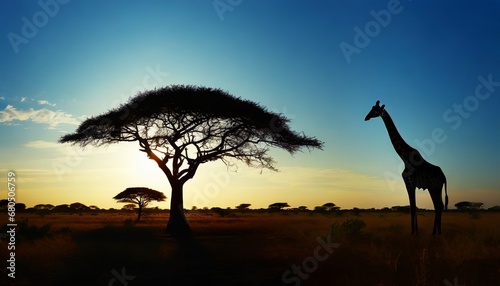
x=418, y=173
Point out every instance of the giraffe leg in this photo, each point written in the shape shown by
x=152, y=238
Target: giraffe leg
x=413, y=211
x=410, y=188
x=438, y=208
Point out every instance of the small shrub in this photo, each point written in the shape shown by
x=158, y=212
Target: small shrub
x=350, y=227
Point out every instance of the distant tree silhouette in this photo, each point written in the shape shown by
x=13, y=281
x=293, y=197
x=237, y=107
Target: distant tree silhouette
x=94, y=208
x=61, y=208
x=47, y=207
x=278, y=206
x=129, y=207
x=4, y=204
x=140, y=196
x=402, y=209
x=468, y=206
x=181, y=127
x=319, y=208
x=220, y=211
x=330, y=207
x=78, y=207
x=243, y=207
x=494, y=208
x=302, y=208
x=20, y=207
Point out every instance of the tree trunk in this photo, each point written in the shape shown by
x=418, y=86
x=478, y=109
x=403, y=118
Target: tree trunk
x=177, y=224
x=139, y=215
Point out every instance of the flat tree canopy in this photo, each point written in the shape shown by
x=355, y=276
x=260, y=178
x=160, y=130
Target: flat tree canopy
x=278, y=206
x=180, y=127
x=140, y=196
x=468, y=205
x=243, y=206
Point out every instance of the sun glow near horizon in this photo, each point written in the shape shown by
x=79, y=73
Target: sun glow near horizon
x=125, y=166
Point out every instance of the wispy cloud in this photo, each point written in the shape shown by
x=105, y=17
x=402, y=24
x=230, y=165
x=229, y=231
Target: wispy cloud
x=23, y=99
x=2, y=97
x=46, y=102
x=41, y=116
x=39, y=144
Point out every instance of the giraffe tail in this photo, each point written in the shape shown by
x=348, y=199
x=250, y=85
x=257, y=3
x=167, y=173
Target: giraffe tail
x=445, y=195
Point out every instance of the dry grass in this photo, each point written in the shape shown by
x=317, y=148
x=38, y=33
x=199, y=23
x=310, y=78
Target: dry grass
x=257, y=248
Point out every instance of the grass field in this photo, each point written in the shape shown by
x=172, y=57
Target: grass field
x=282, y=248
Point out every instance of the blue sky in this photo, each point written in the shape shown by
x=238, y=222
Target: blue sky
x=63, y=61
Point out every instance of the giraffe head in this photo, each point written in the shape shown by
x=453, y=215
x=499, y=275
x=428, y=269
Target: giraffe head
x=376, y=111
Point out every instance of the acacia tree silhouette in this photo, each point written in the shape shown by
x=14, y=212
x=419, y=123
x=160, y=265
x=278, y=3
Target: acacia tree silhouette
x=140, y=196
x=278, y=206
x=181, y=127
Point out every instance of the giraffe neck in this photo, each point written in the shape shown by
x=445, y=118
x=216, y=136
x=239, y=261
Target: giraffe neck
x=401, y=147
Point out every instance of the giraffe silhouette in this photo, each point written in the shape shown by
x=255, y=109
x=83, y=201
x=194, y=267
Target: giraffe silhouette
x=418, y=173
